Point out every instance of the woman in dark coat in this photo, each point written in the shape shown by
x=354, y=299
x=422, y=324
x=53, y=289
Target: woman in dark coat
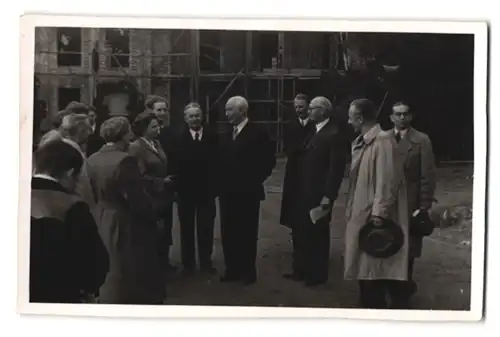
x=127, y=221
x=154, y=164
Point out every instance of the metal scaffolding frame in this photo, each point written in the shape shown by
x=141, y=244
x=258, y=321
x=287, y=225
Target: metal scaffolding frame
x=166, y=75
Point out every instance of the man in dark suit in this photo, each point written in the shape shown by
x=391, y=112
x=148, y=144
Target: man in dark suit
x=195, y=156
x=158, y=106
x=247, y=160
x=95, y=141
x=295, y=133
x=322, y=165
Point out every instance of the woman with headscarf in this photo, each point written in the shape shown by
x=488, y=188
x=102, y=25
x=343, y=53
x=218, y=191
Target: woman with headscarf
x=127, y=220
x=154, y=164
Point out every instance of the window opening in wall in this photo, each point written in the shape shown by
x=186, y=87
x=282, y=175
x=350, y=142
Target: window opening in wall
x=69, y=46
x=118, y=42
x=67, y=95
x=210, y=51
x=268, y=49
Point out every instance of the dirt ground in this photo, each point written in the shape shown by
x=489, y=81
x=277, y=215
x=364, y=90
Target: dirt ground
x=443, y=271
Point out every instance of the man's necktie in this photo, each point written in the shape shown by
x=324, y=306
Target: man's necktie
x=358, y=144
x=196, y=136
x=398, y=137
x=235, y=132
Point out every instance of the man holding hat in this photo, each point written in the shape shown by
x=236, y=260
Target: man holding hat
x=415, y=147
x=377, y=233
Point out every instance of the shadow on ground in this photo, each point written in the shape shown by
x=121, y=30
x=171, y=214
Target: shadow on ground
x=443, y=271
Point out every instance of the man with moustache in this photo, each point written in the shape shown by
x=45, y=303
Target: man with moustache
x=247, y=160
x=322, y=162
x=295, y=132
x=195, y=156
x=419, y=168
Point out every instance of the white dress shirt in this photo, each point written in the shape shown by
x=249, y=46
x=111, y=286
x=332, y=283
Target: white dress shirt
x=402, y=133
x=199, y=132
x=150, y=143
x=303, y=122
x=240, y=126
x=45, y=176
x=320, y=126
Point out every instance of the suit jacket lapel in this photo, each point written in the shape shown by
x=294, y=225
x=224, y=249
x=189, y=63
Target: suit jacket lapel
x=315, y=136
x=357, y=153
x=157, y=152
x=241, y=137
x=405, y=145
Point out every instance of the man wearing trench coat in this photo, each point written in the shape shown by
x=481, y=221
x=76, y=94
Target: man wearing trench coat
x=377, y=191
x=415, y=148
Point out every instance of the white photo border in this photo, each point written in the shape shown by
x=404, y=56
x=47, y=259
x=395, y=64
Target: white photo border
x=27, y=58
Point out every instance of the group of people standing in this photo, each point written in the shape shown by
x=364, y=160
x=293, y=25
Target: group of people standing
x=102, y=198
x=391, y=184
x=121, y=195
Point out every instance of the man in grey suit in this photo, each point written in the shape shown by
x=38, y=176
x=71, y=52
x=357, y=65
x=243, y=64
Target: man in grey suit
x=415, y=148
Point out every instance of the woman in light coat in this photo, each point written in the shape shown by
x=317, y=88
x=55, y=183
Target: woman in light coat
x=127, y=221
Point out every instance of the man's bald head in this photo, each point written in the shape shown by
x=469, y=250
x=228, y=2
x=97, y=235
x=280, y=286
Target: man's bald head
x=236, y=109
x=321, y=109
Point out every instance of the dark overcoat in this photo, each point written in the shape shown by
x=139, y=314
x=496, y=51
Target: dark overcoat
x=322, y=162
x=67, y=257
x=294, y=136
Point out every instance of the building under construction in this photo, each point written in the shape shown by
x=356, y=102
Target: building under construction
x=114, y=69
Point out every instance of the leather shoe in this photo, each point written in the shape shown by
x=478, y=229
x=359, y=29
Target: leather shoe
x=294, y=277
x=314, y=283
x=231, y=278
x=208, y=270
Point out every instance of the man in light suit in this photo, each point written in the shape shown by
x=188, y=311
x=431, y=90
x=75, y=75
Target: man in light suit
x=415, y=148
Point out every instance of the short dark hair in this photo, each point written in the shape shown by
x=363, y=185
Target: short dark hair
x=151, y=100
x=366, y=108
x=142, y=121
x=302, y=97
x=58, y=157
x=402, y=103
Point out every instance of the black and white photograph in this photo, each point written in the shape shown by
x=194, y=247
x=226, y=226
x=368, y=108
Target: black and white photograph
x=223, y=167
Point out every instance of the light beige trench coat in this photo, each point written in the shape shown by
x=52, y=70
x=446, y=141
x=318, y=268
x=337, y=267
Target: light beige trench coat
x=376, y=187
x=420, y=172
